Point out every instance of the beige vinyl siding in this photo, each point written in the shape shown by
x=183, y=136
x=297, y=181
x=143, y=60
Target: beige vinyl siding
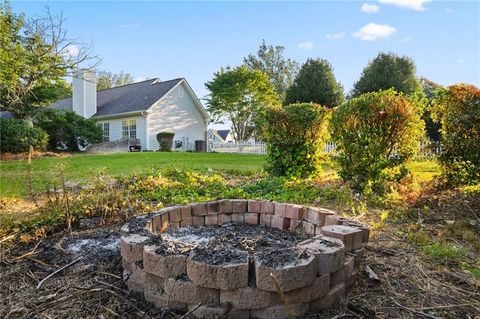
x=176, y=112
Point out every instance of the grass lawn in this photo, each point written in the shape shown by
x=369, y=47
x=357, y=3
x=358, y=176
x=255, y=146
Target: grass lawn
x=81, y=167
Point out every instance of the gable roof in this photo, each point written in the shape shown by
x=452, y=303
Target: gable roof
x=223, y=133
x=127, y=98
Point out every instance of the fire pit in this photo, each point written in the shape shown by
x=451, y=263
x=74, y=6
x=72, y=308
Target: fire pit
x=242, y=259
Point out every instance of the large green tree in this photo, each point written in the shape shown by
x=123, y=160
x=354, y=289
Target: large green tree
x=107, y=79
x=239, y=95
x=280, y=70
x=388, y=71
x=315, y=83
x=35, y=57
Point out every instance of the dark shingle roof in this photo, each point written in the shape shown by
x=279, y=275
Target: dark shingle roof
x=127, y=98
x=223, y=133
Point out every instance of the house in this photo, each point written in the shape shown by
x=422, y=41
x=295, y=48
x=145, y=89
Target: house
x=140, y=110
x=220, y=136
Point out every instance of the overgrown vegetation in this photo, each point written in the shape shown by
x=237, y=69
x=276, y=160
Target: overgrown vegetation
x=17, y=136
x=375, y=135
x=68, y=131
x=458, y=111
x=295, y=135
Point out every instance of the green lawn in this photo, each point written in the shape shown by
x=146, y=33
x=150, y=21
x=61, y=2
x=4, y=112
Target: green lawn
x=82, y=167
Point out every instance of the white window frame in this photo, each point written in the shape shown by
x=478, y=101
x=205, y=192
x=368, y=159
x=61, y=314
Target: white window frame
x=105, y=126
x=129, y=128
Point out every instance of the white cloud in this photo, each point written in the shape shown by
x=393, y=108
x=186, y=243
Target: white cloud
x=305, y=46
x=416, y=5
x=370, y=8
x=71, y=50
x=373, y=32
x=336, y=36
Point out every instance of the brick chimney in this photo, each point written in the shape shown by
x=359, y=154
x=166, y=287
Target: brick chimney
x=84, y=93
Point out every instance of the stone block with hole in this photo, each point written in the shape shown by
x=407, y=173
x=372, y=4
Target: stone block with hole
x=249, y=298
x=180, y=290
x=166, y=266
x=330, y=299
x=351, y=236
x=294, y=274
x=329, y=253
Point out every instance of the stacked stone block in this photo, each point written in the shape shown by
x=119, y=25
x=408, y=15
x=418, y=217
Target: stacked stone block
x=235, y=290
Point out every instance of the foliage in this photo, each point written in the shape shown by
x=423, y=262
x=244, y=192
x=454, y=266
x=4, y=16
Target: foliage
x=458, y=110
x=375, y=135
x=165, y=140
x=295, y=135
x=107, y=79
x=271, y=61
x=316, y=83
x=430, y=90
x=17, y=136
x=444, y=251
x=241, y=95
x=388, y=71
x=35, y=56
x=67, y=130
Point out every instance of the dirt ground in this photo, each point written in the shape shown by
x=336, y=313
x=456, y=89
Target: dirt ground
x=91, y=285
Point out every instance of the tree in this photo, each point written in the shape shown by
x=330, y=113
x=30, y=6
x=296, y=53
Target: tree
x=35, y=56
x=240, y=95
x=67, y=129
x=430, y=90
x=315, y=83
x=388, y=71
x=279, y=70
x=107, y=80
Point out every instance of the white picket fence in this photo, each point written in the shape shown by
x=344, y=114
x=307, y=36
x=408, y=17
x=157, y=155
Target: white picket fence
x=427, y=149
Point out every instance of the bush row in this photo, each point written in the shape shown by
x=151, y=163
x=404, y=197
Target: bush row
x=53, y=130
x=375, y=134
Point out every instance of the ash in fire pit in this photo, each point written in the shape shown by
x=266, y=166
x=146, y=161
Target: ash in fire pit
x=233, y=258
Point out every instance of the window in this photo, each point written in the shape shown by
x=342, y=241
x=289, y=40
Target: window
x=106, y=131
x=129, y=129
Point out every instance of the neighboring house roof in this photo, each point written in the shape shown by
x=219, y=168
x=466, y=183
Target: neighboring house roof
x=5, y=115
x=223, y=133
x=128, y=98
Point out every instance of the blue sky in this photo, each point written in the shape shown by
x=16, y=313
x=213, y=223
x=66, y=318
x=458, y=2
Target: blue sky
x=195, y=39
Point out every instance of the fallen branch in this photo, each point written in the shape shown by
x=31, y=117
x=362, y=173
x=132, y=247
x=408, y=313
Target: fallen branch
x=57, y=271
x=372, y=276
x=191, y=311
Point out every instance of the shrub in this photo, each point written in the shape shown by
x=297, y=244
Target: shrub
x=376, y=134
x=67, y=130
x=458, y=110
x=165, y=140
x=295, y=135
x=17, y=136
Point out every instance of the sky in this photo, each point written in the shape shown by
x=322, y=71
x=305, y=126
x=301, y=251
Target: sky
x=195, y=39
